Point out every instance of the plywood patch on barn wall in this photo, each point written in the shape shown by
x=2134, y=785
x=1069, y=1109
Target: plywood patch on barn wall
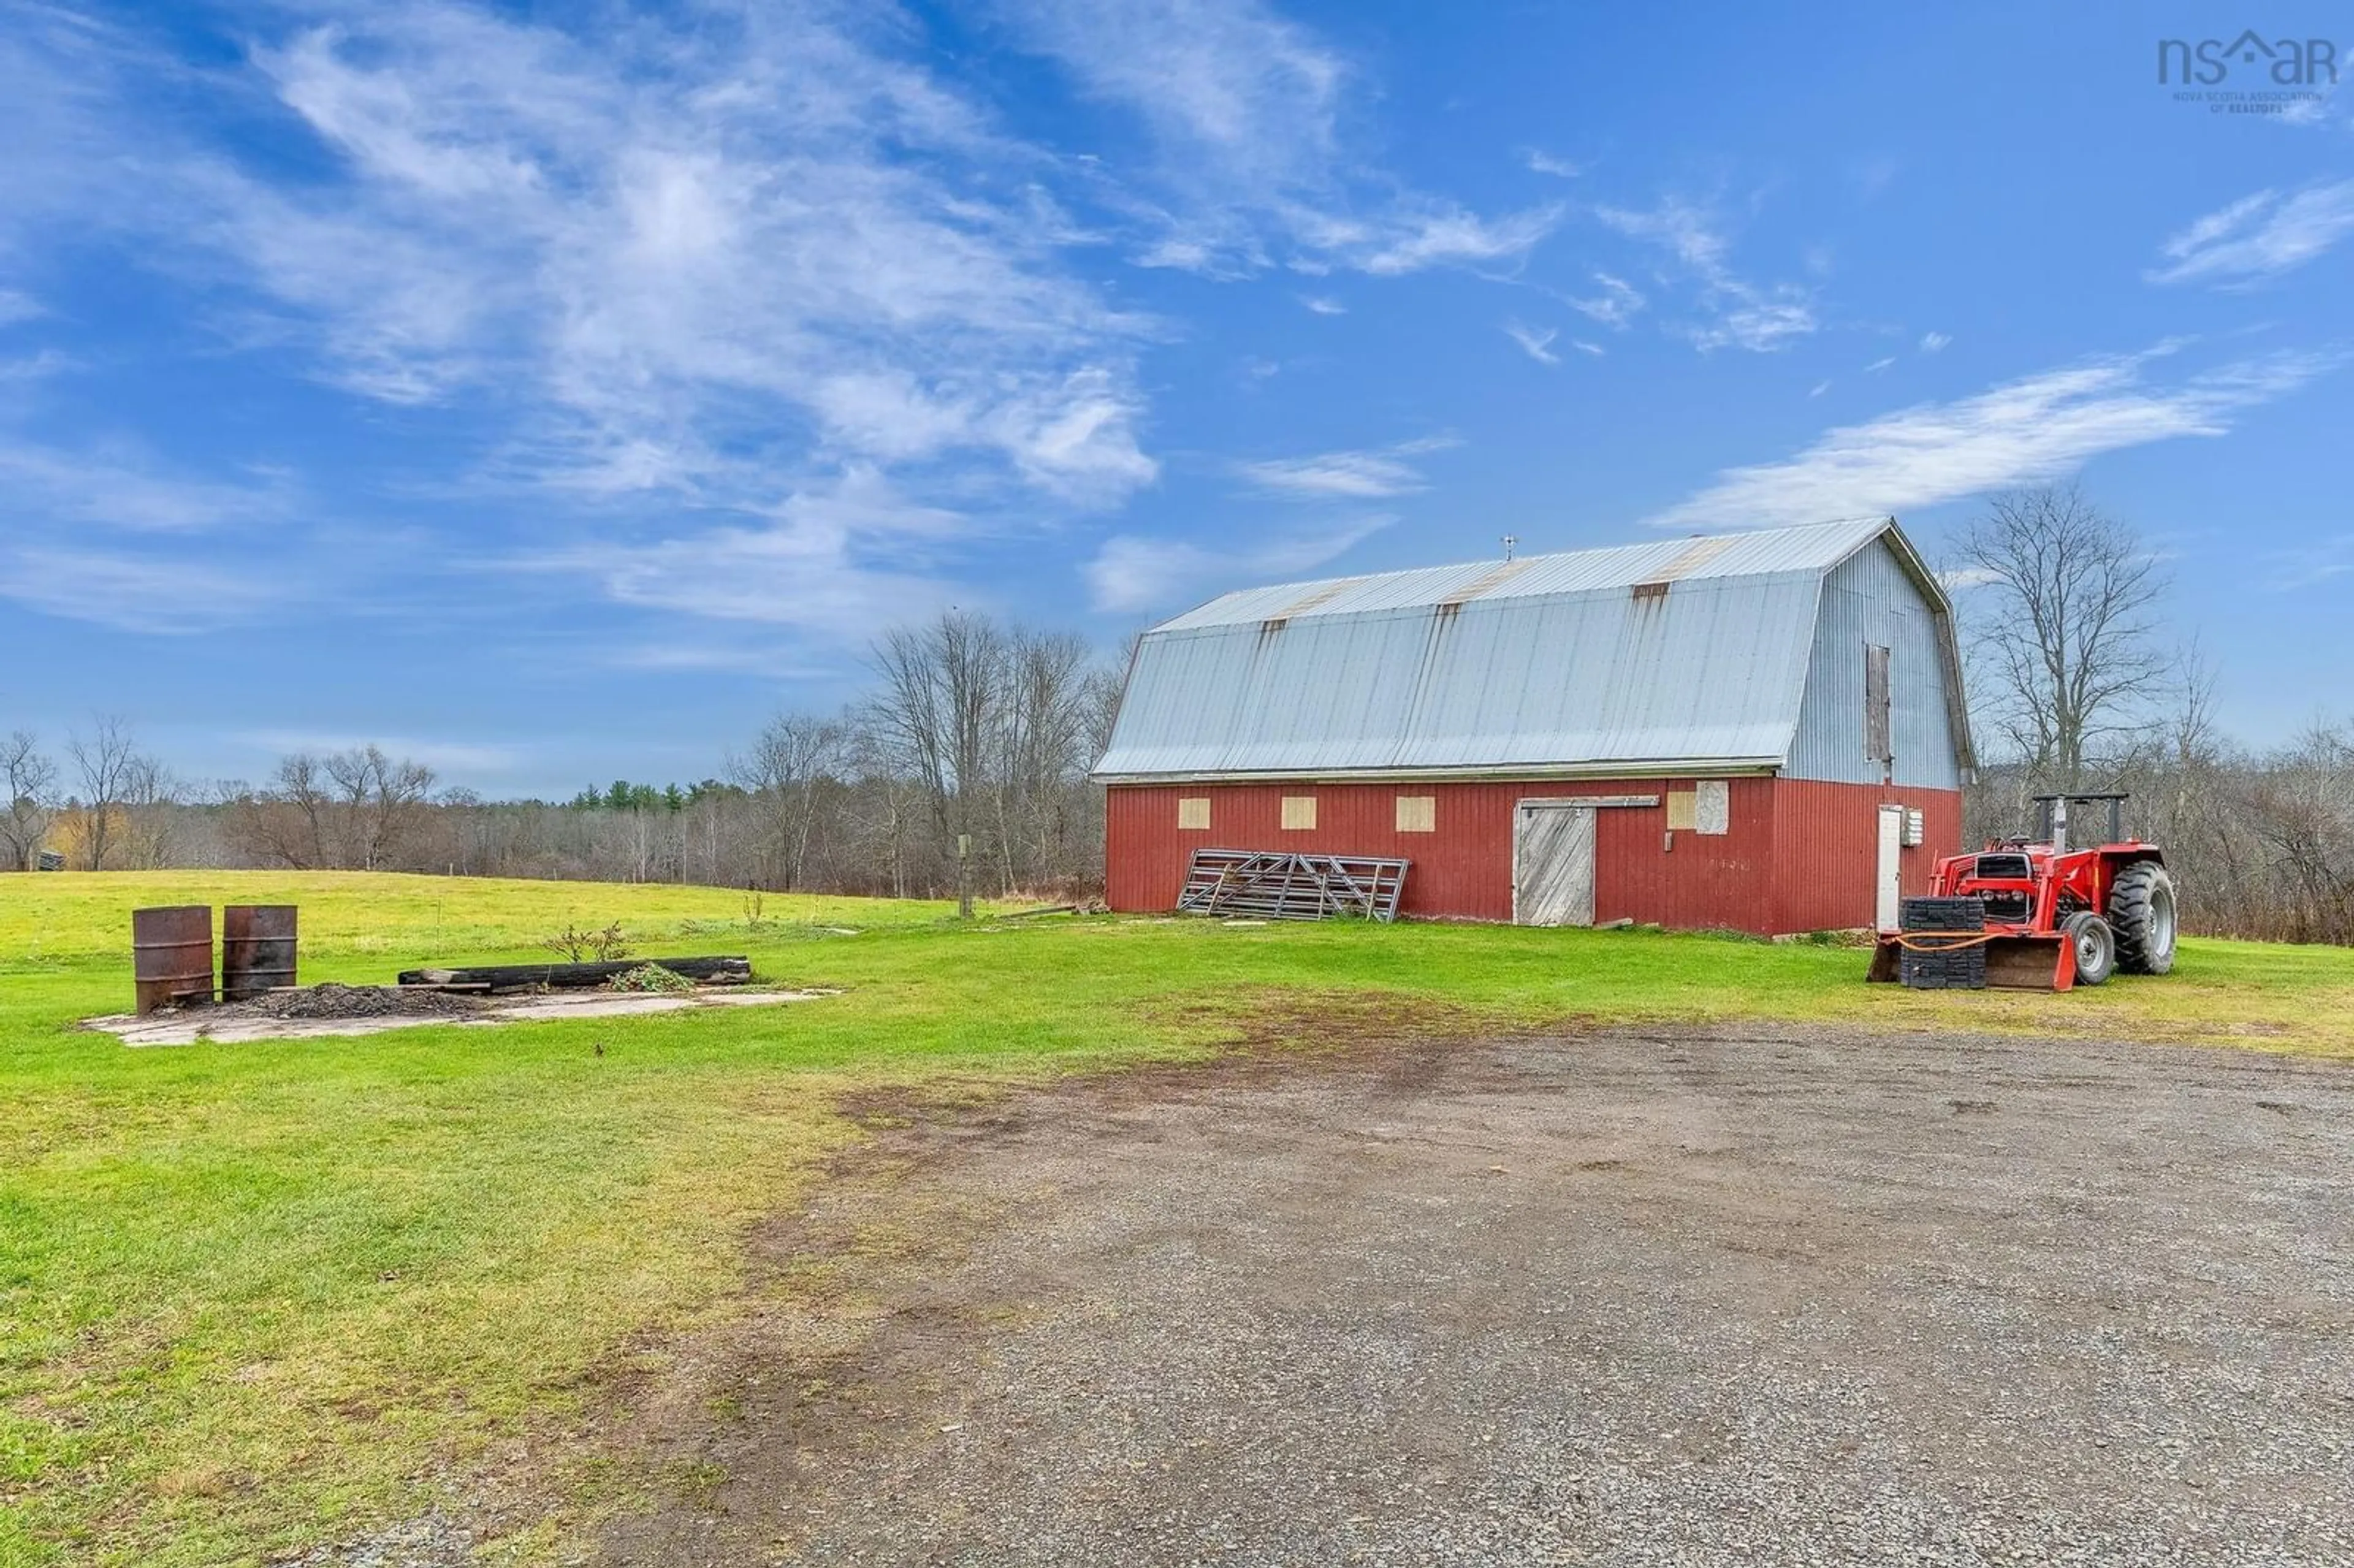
x=1299, y=813
x=1194, y=813
x=1683, y=811
x=1417, y=813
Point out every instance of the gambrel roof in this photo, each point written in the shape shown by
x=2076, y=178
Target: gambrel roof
x=1672, y=656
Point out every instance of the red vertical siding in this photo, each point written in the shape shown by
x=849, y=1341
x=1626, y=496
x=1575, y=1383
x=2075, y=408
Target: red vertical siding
x=1828, y=839
x=1798, y=855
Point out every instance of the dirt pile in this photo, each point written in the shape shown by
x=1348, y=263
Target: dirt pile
x=332, y=1001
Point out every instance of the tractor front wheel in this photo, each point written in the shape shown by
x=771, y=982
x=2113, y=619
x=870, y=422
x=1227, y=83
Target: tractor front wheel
x=2141, y=908
x=2096, y=944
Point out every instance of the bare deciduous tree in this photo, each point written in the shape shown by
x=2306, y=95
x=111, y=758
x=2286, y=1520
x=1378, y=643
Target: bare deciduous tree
x=943, y=685
x=28, y=780
x=290, y=823
x=1045, y=739
x=354, y=810
x=382, y=802
x=789, y=759
x=107, y=763
x=151, y=796
x=2071, y=652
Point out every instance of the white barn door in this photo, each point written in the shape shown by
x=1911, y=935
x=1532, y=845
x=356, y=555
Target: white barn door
x=1553, y=865
x=1892, y=851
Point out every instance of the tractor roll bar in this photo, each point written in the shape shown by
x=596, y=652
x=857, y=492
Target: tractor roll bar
x=2052, y=820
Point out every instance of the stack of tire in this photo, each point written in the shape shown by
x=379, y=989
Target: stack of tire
x=1934, y=962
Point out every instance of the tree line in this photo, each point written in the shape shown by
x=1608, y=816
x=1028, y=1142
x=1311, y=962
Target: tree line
x=979, y=734
x=964, y=766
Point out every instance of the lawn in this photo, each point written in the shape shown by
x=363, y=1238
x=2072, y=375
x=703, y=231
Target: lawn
x=255, y=1298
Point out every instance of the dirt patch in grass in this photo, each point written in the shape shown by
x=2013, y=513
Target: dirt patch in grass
x=1280, y=1022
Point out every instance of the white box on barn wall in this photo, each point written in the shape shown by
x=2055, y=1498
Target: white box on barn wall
x=1299, y=811
x=1417, y=813
x=1194, y=813
x=1915, y=829
x=1713, y=807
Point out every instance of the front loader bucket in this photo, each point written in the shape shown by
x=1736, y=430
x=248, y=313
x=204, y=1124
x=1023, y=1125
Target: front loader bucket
x=2031, y=963
x=2012, y=963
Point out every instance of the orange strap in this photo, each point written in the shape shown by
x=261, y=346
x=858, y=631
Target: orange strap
x=1940, y=941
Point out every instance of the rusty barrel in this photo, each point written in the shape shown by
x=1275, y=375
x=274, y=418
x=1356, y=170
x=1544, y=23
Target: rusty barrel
x=257, y=949
x=172, y=954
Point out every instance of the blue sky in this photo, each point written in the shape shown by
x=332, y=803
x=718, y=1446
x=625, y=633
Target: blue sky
x=549, y=393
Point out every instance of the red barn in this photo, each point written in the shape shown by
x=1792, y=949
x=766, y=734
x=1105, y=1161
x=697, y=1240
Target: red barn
x=1759, y=732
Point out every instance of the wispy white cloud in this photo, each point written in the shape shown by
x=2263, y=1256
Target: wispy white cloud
x=1583, y=346
x=135, y=590
x=1324, y=304
x=39, y=366
x=711, y=288
x=1759, y=326
x=1615, y=306
x=1544, y=163
x=1448, y=234
x=440, y=754
x=772, y=658
x=1877, y=366
x=1736, y=313
x=1537, y=345
x=1129, y=573
x=1820, y=388
x=712, y=271
x=116, y=486
x=2325, y=561
x=839, y=561
x=2036, y=427
x=2318, y=110
x=1246, y=110
x=17, y=306
x=738, y=229
x=1933, y=341
x=1360, y=475
x=2259, y=237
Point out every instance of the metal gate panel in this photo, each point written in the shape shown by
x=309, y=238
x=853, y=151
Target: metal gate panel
x=1553, y=865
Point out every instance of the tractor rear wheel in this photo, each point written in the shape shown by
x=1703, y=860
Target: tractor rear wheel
x=2141, y=910
x=2096, y=944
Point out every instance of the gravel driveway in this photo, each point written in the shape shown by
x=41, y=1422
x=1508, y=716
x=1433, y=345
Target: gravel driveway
x=1706, y=1296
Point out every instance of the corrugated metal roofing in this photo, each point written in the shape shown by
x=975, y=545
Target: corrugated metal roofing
x=1678, y=650
x=1816, y=547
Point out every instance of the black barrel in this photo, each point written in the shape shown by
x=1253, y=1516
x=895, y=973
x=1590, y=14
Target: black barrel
x=171, y=956
x=257, y=949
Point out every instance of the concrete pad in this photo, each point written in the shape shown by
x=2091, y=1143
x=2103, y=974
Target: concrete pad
x=188, y=1028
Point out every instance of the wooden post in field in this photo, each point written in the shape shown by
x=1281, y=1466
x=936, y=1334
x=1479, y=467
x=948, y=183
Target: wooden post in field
x=964, y=876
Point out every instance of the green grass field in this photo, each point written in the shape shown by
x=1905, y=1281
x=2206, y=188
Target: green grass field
x=254, y=1297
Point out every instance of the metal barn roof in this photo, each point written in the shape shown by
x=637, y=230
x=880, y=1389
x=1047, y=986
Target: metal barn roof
x=1689, y=653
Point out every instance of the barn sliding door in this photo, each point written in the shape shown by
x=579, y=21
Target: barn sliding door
x=1553, y=865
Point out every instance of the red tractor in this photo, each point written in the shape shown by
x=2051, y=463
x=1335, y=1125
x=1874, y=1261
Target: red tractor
x=2053, y=917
